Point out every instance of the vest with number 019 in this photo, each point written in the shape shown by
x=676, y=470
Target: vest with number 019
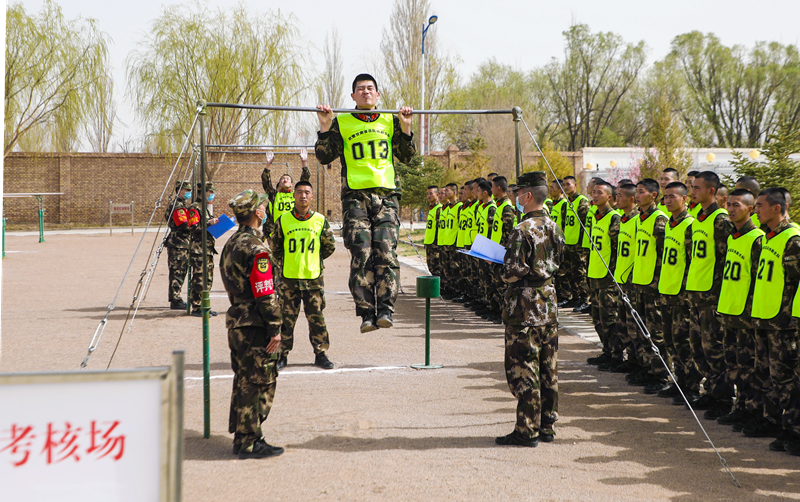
x=673, y=263
x=431, y=224
x=572, y=227
x=283, y=203
x=736, y=278
x=301, y=258
x=497, y=224
x=626, y=248
x=482, y=221
x=768, y=292
x=557, y=213
x=589, y=222
x=464, y=223
x=450, y=231
x=704, y=253
x=602, y=241
x=644, y=266
x=368, y=151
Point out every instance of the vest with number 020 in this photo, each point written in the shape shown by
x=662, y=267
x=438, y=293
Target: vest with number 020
x=602, y=241
x=673, y=263
x=450, y=231
x=644, y=266
x=768, y=292
x=283, y=203
x=301, y=258
x=497, y=224
x=368, y=151
x=704, y=253
x=431, y=224
x=626, y=248
x=572, y=226
x=736, y=278
x=482, y=221
x=557, y=213
x=589, y=222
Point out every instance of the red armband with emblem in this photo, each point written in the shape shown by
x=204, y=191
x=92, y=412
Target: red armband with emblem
x=194, y=217
x=261, y=276
x=179, y=217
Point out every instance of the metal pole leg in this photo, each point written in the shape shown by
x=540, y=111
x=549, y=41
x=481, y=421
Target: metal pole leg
x=41, y=218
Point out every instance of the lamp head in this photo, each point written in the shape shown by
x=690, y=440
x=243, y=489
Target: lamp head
x=433, y=19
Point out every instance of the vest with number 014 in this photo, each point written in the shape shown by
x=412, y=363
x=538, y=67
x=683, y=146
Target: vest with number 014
x=497, y=224
x=736, y=278
x=368, y=151
x=557, y=213
x=673, y=263
x=482, y=221
x=572, y=227
x=602, y=241
x=704, y=253
x=449, y=233
x=626, y=249
x=644, y=266
x=464, y=222
x=283, y=203
x=768, y=293
x=589, y=222
x=431, y=225
x=301, y=246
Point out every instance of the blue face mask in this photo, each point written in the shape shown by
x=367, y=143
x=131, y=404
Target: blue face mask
x=520, y=208
x=210, y=197
x=187, y=195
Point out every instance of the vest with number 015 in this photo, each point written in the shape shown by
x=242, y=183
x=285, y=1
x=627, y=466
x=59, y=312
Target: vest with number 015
x=283, y=203
x=644, y=266
x=602, y=241
x=557, y=213
x=626, y=249
x=301, y=258
x=464, y=222
x=450, y=232
x=673, y=263
x=497, y=224
x=768, y=292
x=431, y=225
x=368, y=151
x=589, y=222
x=704, y=253
x=736, y=278
x=482, y=221
x=572, y=227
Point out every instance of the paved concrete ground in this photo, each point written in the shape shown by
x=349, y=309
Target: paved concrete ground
x=375, y=429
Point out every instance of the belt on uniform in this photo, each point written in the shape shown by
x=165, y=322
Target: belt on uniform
x=533, y=283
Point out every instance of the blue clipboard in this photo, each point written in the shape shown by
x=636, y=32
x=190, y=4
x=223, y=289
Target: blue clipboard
x=224, y=224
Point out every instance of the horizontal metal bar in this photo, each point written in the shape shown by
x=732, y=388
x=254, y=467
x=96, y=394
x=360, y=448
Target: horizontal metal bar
x=258, y=146
x=353, y=110
x=259, y=152
x=31, y=194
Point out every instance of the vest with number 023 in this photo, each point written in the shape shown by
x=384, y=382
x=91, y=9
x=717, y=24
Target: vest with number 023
x=368, y=151
x=431, y=224
x=301, y=258
x=469, y=213
x=482, y=221
x=283, y=203
x=450, y=231
x=768, y=293
x=626, y=248
x=644, y=266
x=589, y=222
x=497, y=224
x=602, y=241
x=704, y=253
x=463, y=221
x=557, y=213
x=736, y=278
x=572, y=226
x=673, y=263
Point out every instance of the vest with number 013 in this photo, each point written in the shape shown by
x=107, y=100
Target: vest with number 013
x=704, y=253
x=464, y=219
x=431, y=225
x=497, y=224
x=283, y=203
x=301, y=258
x=736, y=278
x=482, y=221
x=450, y=231
x=626, y=249
x=572, y=227
x=768, y=292
x=557, y=213
x=644, y=266
x=673, y=263
x=368, y=151
x=589, y=222
x=602, y=241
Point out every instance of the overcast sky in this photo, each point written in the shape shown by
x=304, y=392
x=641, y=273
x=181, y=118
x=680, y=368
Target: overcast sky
x=525, y=34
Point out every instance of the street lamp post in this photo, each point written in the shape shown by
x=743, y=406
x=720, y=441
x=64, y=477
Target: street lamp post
x=422, y=117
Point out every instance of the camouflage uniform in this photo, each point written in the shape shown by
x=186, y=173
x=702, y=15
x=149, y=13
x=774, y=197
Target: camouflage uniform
x=271, y=190
x=576, y=256
x=484, y=268
x=498, y=287
x=627, y=338
x=371, y=222
x=604, y=295
x=177, y=244
x=197, y=256
x=432, y=254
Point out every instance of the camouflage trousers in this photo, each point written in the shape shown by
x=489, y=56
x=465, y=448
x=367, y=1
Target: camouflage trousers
x=432, y=257
x=178, y=263
x=485, y=283
x=498, y=287
x=254, y=380
x=739, y=341
x=450, y=268
x=648, y=305
x=531, y=363
x=604, y=299
x=563, y=286
x=576, y=259
x=708, y=353
x=778, y=349
x=627, y=337
x=675, y=319
x=197, y=278
x=313, y=301
x=371, y=224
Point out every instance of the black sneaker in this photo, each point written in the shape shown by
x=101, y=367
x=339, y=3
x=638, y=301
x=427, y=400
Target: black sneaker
x=547, y=435
x=282, y=362
x=732, y=417
x=385, y=320
x=792, y=444
x=718, y=411
x=460, y=299
x=780, y=443
x=704, y=402
x=323, y=362
x=583, y=308
x=670, y=391
x=624, y=367
x=610, y=364
x=599, y=359
x=690, y=396
x=517, y=439
x=177, y=305
x=563, y=303
x=762, y=429
x=748, y=420
x=368, y=324
x=656, y=387
x=236, y=448
x=261, y=450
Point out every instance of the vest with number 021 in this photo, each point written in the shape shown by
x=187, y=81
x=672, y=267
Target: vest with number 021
x=768, y=293
x=572, y=227
x=463, y=222
x=301, y=246
x=736, y=279
x=482, y=221
x=644, y=266
x=557, y=213
x=589, y=222
x=497, y=225
x=368, y=151
x=673, y=263
x=431, y=224
x=704, y=253
x=626, y=248
x=450, y=231
x=602, y=241
x=283, y=203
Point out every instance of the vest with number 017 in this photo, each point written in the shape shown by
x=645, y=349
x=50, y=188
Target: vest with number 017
x=464, y=222
x=450, y=231
x=704, y=253
x=602, y=241
x=673, y=263
x=644, y=266
x=431, y=225
x=368, y=151
x=737, y=276
x=482, y=221
x=768, y=292
x=497, y=224
x=589, y=222
x=301, y=258
x=572, y=227
x=557, y=213
x=283, y=203
x=626, y=249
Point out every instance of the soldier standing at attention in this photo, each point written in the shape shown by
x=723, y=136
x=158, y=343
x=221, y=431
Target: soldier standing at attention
x=448, y=233
x=694, y=207
x=254, y=324
x=197, y=246
x=585, y=307
x=667, y=176
x=484, y=221
x=466, y=218
x=505, y=219
x=280, y=196
x=751, y=184
x=178, y=243
x=431, y=231
x=535, y=248
x=575, y=254
x=367, y=145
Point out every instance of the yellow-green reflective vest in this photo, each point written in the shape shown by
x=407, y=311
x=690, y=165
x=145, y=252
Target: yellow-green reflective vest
x=432, y=224
x=644, y=266
x=768, y=293
x=301, y=259
x=626, y=249
x=482, y=221
x=368, y=151
x=497, y=224
x=737, y=275
x=796, y=304
x=572, y=226
x=464, y=218
x=704, y=254
x=283, y=203
x=620, y=212
x=754, y=219
x=589, y=222
x=695, y=210
x=673, y=262
x=558, y=210
x=473, y=222
x=448, y=234
x=602, y=241
x=663, y=208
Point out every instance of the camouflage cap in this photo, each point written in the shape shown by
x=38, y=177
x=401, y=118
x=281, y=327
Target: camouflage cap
x=209, y=186
x=247, y=202
x=532, y=179
x=180, y=184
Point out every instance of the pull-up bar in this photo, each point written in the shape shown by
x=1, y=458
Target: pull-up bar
x=516, y=111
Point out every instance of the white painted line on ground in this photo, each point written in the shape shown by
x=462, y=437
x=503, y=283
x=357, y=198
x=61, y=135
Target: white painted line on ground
x=313, y=372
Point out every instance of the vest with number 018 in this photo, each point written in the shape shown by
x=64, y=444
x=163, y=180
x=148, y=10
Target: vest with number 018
x=450, y=232
x=497, y=224
x=602, y=241
x=464, y=222
x=673, y=263
x=736, y=278
x=572, y=227
x=482, y=221
x=368, y=151
x=704, y=253
x=283, y=203
x=301, y=258
x=768, y=292
x=644, y=266
x=557, y=213
x=626, y=249
x=431, y=225
x=589, y=222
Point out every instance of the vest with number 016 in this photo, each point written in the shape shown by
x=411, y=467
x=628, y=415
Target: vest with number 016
x=301, y=258
x=736, y=278
x=464, y=222
x=450, y=232
x=768, y=293
x=283, y=203
x=602, y=241
x=497, y=224
x=704, y=253
x=589, y=222
x=673, y=263
x=557, y=213
x=572, y=227
x=626, y=249
x=644, y=266
x=482, y=221
x=431, y=225
x=368, y=151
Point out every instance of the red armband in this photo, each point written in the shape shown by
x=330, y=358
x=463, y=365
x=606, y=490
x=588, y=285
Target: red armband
x=261, y=276
x=179, y=217
x=194, y=217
